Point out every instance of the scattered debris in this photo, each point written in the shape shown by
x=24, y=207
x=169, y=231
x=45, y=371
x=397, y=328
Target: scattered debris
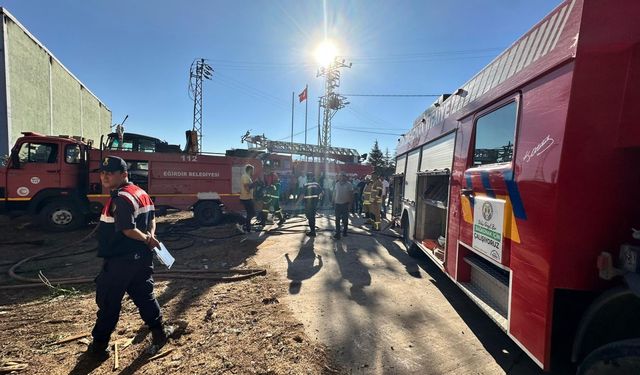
x=270, y=300
x=11, y=366
x=69, y=339
x=116, y=359
x=232, y=338
x=161, y=354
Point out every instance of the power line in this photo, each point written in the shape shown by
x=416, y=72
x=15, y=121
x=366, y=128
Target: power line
x=395, y=95
x=298, y=133
x=366, y=131
x=367, y=117
x=363, y=127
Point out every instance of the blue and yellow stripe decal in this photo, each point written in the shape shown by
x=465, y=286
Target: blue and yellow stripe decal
x=514, y=207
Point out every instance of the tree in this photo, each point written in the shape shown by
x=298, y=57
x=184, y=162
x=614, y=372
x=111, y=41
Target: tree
x=376, y=159
x=389, y=163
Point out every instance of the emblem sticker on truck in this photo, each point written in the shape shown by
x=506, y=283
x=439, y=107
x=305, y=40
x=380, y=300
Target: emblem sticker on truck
x=35, y=180
x=23, y=191
x=488, y=221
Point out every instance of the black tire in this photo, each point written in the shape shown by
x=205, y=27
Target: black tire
x=208, y=213
x=412, y=248
x=61, y=215
x=620, y=357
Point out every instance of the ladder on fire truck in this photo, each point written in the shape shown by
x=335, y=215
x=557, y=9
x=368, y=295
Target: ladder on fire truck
x=347, y=155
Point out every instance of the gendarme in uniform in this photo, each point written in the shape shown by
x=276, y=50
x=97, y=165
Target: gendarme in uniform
x=128, y=262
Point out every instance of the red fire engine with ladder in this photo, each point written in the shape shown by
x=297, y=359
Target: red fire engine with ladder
x=57, y=178
x=336, y=159
x=522, y=186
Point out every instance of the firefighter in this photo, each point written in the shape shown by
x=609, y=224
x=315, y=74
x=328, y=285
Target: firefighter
x=246, y=195
x=126, y=235
x=366, y=198
x=376, y=201
x=312, y=194
x=271, y=203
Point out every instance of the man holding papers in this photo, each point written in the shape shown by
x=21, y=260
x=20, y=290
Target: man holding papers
x=126, y=235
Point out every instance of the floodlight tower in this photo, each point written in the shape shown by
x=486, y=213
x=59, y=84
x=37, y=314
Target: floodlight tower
x=199, y=70
x=331, y=102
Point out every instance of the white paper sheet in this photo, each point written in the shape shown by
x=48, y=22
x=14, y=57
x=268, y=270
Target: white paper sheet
x=164, y=256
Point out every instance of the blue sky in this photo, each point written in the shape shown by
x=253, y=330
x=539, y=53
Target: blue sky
x=135, y=56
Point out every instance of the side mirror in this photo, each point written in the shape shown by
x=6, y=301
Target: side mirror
x=15, y=161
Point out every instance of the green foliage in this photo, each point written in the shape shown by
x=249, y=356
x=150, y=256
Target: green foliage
x=376, y=159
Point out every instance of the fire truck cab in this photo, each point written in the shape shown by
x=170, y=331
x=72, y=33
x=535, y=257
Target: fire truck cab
x=47, y=177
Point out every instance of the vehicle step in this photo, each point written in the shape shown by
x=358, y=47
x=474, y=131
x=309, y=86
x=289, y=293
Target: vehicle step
x=489, y=288
x=501, y=276
x=490, y=308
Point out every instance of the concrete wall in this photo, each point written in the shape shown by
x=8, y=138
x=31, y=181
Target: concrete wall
x=39, y=94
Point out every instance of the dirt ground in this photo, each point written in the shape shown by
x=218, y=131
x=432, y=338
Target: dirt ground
x=226, y=327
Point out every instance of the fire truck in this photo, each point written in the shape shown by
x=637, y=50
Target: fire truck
x=522, y=186
x=56, y=178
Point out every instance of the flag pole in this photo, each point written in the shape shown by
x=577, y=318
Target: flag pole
x=293, y=94
x=306, y=111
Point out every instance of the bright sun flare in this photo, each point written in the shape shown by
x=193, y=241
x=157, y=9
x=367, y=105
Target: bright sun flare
x=325, y=53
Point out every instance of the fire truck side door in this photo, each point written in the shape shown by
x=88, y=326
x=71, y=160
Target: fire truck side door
x=34, y=166
x=486, y=213
x=73, y=173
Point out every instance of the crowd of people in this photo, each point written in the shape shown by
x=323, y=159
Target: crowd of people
x=366, y=196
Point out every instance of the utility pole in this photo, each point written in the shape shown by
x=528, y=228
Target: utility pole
x=331, y=102
x=199, y=70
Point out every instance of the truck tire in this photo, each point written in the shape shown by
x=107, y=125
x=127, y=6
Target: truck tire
x=207, y=213
x=61, y=215
x=412, y=248
x=620, y=357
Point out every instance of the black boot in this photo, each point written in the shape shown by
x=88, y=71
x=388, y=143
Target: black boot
x=159, y=338
x=99, y=350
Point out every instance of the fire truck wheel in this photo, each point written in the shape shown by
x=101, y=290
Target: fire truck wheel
x=620, y=357
x=411, y=247
x=207, y=213
x=61, y=215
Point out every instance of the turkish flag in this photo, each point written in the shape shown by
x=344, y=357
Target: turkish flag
x=303, y=95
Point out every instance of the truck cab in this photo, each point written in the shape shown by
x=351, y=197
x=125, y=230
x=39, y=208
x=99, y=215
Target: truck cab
x=137, y=143
x=47, y=176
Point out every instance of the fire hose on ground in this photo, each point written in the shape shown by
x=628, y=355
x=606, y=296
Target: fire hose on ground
x=209, y=274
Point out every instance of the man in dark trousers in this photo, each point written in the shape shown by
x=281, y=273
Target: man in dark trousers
x=312, y=194
x=342, y=197
x=126, y=237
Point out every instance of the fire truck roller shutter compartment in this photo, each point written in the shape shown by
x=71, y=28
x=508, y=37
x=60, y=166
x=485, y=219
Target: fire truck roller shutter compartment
x=409, y=199
x=432, y=199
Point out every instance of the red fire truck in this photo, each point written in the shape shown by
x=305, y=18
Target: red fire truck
x=57, y=178
x=522, y=186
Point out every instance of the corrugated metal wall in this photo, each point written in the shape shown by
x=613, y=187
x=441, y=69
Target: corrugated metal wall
x=41, y=94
